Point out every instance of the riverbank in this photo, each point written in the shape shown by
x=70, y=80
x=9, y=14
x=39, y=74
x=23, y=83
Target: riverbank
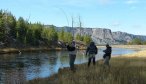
x=127, y=69
x=136, y=54
x=19, y=50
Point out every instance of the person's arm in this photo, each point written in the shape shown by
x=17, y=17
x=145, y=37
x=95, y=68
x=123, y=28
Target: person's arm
x=110, y=50
x=68, y=47
x=87, y=50
x=96, y=50
x=106, y=50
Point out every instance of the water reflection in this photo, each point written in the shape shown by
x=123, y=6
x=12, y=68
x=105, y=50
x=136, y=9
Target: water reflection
x=15, y=68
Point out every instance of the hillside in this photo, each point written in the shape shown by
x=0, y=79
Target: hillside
x=103, y=35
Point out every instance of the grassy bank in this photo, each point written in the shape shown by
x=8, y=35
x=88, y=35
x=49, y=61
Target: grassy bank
x=123, y=70
x=137, y=54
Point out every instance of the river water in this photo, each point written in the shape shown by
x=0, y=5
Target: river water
x=19, y=68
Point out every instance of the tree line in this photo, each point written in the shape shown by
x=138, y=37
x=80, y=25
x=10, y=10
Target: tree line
x=21, y=33
x=137, y=41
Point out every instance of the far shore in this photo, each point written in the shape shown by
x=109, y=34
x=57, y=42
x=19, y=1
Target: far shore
x=136, y=54
x=33, y=49
x=19, y=50
x=141, y=47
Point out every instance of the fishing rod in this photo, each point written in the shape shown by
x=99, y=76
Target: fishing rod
x=64, y=14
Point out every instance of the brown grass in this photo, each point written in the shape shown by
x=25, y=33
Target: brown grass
x=137, y=54
x=127, y=69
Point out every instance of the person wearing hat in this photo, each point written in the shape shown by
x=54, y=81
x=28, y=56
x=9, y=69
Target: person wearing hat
x=91, y=51
x=72, y=55
x=107, y=55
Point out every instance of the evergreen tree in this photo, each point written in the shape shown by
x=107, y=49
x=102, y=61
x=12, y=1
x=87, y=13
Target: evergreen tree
x=61, y=35
x=68, y=37
x=79, y=37
x=12, y=25
x=30, y=37
x=87, y=39
x=137, y=41
x=2, y=28
x=22, y=29
x=50, y=34
x=37, y=30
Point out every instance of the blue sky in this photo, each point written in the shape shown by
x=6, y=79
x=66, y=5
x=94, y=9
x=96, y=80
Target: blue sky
x=117, y=15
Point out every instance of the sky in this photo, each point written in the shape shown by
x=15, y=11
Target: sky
x=118, y=15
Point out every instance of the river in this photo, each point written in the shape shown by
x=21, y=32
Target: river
x=19, y=68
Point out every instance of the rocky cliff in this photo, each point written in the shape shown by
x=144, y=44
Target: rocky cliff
x=103, y=36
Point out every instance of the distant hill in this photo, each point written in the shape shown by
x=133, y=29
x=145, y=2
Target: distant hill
x=103, y=35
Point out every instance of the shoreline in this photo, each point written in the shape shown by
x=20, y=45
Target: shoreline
x=141, y=53
x=33, y=49
x=19, y=50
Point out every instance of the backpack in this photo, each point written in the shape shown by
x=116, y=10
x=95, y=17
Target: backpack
x=92, y=50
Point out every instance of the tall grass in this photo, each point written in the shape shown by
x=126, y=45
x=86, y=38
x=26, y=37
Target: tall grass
x=121, y=71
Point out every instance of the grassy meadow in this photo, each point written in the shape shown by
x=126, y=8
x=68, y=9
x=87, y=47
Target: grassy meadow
x=128, y=69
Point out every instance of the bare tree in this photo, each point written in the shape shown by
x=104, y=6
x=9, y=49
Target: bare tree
x=72, y=26
x=80, y=25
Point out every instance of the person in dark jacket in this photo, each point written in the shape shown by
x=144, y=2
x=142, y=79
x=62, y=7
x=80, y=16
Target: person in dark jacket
x=107, y=55
x=72, y=55
x=91, y=51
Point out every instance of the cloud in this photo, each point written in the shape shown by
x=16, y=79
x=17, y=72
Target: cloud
x=131, y=1
x=137, y=26
x=116, y=24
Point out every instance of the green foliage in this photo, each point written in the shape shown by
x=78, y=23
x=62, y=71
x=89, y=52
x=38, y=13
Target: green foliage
x=11, y=24
x=87, y=39
x=22, y=29
x=37, y=31
x=2, y=29
x=50, y=34
x=144, y=43
x=79, y=37
x=7, y=24
x=61, y=35
x=136, y=41
x=2, y=26
x=68, y=37
x=38, y=27
x=65, y=36
x=30, y=39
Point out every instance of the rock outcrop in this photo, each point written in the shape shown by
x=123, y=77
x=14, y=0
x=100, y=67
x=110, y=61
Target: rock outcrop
x=103, y=35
